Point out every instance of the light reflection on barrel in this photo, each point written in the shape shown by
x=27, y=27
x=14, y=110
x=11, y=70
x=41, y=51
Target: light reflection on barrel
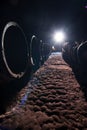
x=35, y=52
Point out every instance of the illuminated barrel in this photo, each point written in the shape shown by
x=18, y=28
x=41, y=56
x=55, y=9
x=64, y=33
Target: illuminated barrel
x=39, y=52
x=14, y=55
x=35, y=52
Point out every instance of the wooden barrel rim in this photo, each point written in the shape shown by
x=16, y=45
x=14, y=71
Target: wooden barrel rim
x=14, y=75
x=32, y=60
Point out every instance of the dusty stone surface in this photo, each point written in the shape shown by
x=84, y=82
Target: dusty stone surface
x=52, y=100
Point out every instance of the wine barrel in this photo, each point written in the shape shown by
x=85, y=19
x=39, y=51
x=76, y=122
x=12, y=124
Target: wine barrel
x=82, y=54
x=46, y=51
x=35, y=52
x=14, y=55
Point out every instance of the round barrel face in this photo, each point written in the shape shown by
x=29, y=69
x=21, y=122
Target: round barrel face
x=35, y=50
x=15, y=49
x=46, y=49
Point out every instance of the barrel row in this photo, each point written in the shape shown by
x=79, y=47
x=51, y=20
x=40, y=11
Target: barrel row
x=18, y=58
x=75, y=54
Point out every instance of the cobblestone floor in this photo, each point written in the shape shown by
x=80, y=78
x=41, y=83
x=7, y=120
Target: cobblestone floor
x=52, y=100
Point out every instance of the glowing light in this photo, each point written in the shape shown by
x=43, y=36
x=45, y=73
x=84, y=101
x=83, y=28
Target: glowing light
x=59, y=36
x=86, y=6
x=53, y=48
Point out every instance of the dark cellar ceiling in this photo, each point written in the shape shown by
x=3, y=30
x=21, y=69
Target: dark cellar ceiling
x=42, y=16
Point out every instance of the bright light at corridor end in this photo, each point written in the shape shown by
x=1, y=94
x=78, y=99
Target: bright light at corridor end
x=59, y=36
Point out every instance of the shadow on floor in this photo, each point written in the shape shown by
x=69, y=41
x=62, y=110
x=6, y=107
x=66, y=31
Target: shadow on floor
x=81, y=77
x=8, y=91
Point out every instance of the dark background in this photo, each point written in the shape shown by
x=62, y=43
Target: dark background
x=42, y=17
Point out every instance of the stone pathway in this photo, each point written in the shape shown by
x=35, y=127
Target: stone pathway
x=52, y=100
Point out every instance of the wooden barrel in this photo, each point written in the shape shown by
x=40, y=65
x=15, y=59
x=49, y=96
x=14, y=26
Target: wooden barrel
x=14, y=55
x=46, y=51
x=39, y=52
x=35, y=52
x=82, y=54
